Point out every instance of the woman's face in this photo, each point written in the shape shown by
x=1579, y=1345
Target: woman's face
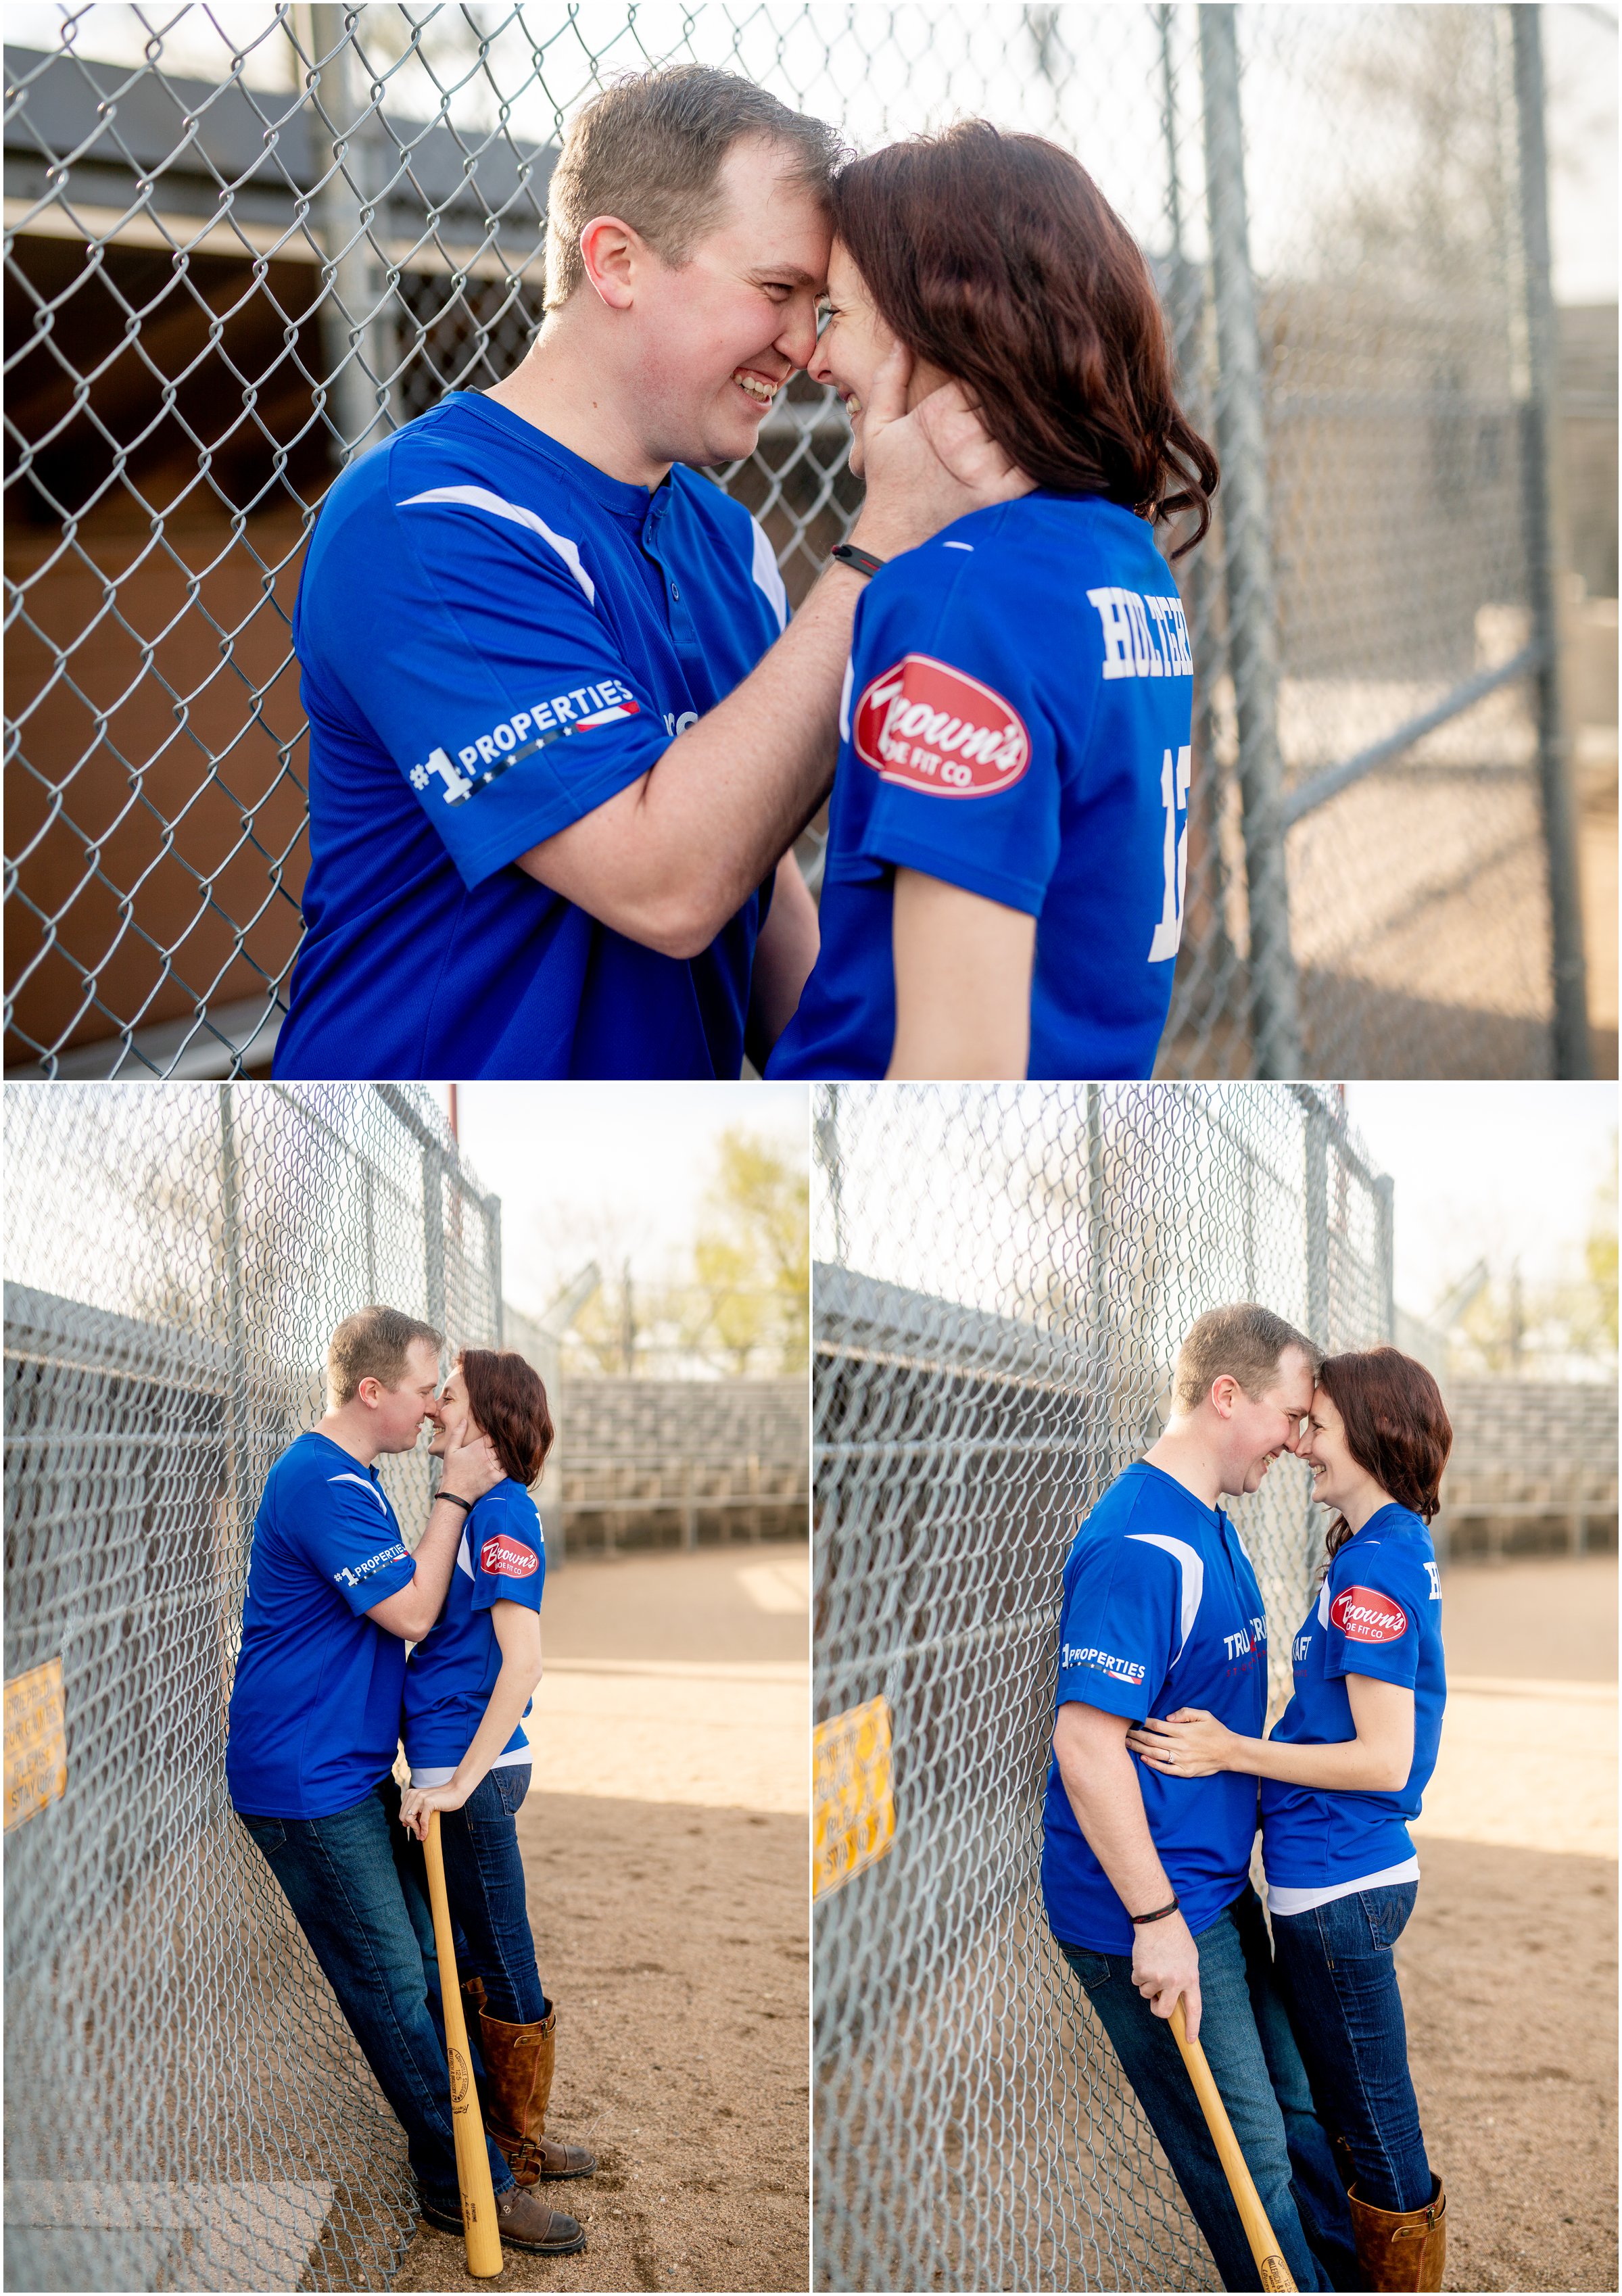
x=853, y=346
x=1335, y=1474
x=456, y=1425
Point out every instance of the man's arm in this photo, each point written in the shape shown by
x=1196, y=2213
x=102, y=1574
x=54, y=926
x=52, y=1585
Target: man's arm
x=412, y=1608
x=1101, y=1787
x=672, y=856
x=963, y=982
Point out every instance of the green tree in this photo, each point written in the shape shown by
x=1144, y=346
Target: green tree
x=752, y=1261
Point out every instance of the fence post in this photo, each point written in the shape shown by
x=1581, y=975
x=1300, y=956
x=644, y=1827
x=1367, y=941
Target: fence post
x=1385, y=1246
x=1248, y=554
x=1317, y=1210
x=491, y=1208
x=1185, y=298
x=354, y=320
x=236, y=1347
x=433, y=1233
x=1540, y=484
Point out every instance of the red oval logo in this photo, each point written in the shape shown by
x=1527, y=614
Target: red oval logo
x=925, y=725
x=1362, y=1616
x=500, y=1554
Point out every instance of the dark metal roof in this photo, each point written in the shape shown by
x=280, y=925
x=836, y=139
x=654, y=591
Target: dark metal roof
x=97, y=134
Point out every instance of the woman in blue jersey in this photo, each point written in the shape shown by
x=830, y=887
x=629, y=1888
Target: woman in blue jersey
x=468, y=1687
x=1342, y=1774
x=1007, y=845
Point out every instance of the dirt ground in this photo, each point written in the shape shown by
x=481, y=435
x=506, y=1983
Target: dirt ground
x=1508, y=1968
x=671, y=1921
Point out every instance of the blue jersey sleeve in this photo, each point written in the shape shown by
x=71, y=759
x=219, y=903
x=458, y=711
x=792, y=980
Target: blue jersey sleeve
x=509, y=1552
x=1120, y=1629
x=469, y=636
x=348, y=1535
x=945, y=709
x=1376, y=1603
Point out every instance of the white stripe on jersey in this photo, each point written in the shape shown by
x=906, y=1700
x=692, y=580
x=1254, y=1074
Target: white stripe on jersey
x=1190, y=1570
x=767, y=576
x=366, y=1485
x=481, y=498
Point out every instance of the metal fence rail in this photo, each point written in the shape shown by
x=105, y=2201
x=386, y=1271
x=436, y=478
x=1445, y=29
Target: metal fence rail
x=244, y=245
x=1003, y=1278
x=185, y=2105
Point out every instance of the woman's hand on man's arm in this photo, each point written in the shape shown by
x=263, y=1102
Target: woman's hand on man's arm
x=1377, y=1759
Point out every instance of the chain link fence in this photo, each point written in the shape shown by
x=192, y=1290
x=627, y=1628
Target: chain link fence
x=185, y=2106
x=243, y=246
x=1003, y=1277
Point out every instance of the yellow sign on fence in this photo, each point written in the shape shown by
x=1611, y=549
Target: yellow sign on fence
x=36, y=1741
x=854, y=1812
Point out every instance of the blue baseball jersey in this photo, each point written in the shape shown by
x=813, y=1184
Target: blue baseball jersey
x=453, y=1670
x=1016, y=722
x=1161, y=1610
x=495, y=638
x=315, y=1707
x=1379, y=1612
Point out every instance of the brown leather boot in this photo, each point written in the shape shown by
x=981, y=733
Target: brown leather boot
x=1401, y=2249
x=524, y=2221
x=518, y=2061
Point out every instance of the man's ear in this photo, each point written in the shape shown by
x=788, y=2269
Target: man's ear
x=612, y=253
x=1222, y=1393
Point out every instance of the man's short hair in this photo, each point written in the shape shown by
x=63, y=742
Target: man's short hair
x=373, y=1343
x=649, y=150
x=1243, y=1342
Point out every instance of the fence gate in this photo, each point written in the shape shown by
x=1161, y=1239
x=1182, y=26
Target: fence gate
x=245, y=245
x=185, y=2106
x=1003, y=1278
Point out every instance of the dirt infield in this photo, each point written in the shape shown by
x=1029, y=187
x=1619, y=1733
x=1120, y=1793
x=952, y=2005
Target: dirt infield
x=1508, y=1968
x=673, y=1932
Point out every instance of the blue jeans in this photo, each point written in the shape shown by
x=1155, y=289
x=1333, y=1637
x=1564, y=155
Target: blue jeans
x=359, y=1900
x=1254, y=2060
x=1339, y=1978
x=484, y=1880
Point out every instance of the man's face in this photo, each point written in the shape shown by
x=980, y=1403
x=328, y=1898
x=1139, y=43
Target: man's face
x=720, y=334
x=1264, y=1425
x=399, y=1411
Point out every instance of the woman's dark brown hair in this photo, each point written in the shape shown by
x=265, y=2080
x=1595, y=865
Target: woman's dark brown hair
x=1397, y=1427
x=998, y=259
x=509, y=1403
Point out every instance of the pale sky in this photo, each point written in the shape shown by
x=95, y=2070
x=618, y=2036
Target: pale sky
x=579, y=1166
x=900, y=69
x=1487, y=1170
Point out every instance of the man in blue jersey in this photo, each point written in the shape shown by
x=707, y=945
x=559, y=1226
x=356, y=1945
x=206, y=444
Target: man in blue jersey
x=333, y=1597
x=562, y=739
x=1145, y=1877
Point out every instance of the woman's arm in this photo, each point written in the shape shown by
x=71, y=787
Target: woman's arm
x=784, y=955
x=518, y=1631
x=1377, y=1760
x=963, y=982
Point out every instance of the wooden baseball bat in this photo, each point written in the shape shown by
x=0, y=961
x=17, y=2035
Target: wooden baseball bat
x=472, y=2161
x=1263, y=2247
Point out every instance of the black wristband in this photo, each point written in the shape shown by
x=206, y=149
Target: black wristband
x=450, y=1496
x=846, y=554
x=1158, y=1915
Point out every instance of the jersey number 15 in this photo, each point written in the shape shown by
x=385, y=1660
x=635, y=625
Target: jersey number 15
x=1174, y=795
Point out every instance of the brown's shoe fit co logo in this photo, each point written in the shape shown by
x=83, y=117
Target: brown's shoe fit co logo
x=1362, y=1616
x=506, y=1557
x=926, y=725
